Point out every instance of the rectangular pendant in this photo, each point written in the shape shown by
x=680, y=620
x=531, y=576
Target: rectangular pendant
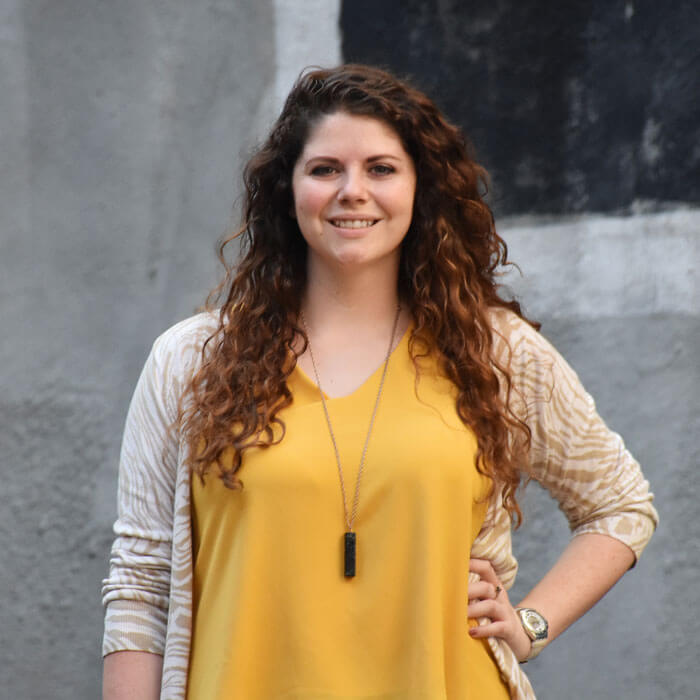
x=350, y=543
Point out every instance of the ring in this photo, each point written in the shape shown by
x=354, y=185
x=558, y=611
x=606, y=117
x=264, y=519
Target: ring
x=498, y=590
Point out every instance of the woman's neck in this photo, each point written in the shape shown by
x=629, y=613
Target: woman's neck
x=349, y=320
x=361, y=298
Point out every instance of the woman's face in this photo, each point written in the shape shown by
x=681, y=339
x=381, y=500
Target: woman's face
x=354, y=186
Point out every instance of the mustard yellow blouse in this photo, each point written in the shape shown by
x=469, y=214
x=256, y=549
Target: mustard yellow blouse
x=274, y=616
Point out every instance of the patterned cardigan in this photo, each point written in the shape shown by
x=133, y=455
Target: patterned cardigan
x=148, y=593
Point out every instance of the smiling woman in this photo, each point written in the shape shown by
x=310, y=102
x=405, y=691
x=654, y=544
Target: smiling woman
x=354, y=186
x=318, y=477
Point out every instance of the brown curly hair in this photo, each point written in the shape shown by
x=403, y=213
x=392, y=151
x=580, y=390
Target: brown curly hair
x=447, y=280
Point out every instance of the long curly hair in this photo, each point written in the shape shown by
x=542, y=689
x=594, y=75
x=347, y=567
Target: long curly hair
x=447, y=280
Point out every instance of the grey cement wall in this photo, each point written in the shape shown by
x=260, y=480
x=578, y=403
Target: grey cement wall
x=620, y=298
x=123, y=129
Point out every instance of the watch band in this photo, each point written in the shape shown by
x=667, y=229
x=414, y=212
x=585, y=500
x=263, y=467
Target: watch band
x=536, y=647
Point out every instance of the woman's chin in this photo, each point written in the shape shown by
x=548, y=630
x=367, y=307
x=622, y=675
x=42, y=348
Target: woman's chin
x=354, y=257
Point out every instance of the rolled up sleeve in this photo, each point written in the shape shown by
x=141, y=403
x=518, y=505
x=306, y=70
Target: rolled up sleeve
x=583, y=464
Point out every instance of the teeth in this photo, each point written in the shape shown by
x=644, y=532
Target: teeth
x=353, y=223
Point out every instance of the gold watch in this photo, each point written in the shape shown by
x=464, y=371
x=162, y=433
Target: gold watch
x=536, y=627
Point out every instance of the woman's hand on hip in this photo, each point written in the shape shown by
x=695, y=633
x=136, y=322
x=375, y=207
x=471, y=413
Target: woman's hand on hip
x=488, y=598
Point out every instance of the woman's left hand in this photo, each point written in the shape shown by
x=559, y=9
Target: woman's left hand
x=487, y=598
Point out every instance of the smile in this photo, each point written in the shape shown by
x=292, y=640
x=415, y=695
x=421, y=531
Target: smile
x=353, y=223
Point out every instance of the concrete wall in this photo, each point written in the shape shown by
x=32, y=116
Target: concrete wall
x=123, y=129
x=620, y=298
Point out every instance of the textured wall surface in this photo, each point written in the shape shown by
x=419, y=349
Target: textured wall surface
x=620, y=298
x=577, y=106
x=123, y=129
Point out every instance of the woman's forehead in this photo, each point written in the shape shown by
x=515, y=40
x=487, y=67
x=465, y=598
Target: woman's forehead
x=341, y=132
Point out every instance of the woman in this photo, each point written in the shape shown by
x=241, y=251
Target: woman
x=318, y=481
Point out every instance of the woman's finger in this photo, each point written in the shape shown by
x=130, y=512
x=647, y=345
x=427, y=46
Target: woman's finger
x=490, y=629
x=484, y=569
x=489, y=585
x=483, y=589
x=487, y=607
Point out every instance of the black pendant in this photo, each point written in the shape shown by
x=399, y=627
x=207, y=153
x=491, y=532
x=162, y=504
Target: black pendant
x=350, y=554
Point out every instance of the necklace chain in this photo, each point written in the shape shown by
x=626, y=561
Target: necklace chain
x=350, y=519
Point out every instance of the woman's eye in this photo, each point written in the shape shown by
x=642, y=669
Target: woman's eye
x=382, y=169
x=323, y=170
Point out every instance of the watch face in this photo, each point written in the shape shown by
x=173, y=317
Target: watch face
x=534, y=622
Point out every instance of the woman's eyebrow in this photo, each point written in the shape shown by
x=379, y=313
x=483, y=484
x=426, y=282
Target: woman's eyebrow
x=384, y=156
x=371, y=159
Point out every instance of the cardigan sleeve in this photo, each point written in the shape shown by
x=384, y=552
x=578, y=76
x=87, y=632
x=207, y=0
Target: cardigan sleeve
x=583, y=464
x=136, y=592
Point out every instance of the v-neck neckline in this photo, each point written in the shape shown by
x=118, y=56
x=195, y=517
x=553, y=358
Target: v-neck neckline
x=366, y=382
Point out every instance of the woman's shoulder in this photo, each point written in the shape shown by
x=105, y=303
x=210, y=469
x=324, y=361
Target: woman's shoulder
x=536, y=367
x=182, y=343
x=514, y=337
x=190, y=329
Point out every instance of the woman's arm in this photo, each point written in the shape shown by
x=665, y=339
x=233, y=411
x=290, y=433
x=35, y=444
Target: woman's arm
x=132, y=675
x=587, y=569
x=136, y=592
x=596, y=482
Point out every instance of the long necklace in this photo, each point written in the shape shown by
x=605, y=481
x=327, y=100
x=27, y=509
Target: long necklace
x=350, y=537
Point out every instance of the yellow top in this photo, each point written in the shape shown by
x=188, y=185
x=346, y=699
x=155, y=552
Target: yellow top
x=274, y=617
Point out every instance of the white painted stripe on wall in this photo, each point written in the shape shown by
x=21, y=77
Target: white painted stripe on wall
x=595, y=266
x=306, y=33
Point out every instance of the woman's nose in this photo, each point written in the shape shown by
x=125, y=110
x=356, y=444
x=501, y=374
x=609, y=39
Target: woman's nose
x=353, y=186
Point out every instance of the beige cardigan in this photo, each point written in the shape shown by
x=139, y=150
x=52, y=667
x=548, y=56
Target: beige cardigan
x=148, y=594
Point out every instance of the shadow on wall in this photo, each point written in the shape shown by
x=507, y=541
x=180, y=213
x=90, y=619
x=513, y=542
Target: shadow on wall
x=584, y=106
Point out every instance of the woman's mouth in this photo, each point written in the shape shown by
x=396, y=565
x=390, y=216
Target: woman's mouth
x=353, y=223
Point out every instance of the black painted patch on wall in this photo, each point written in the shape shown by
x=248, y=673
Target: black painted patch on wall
x=583, y=105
